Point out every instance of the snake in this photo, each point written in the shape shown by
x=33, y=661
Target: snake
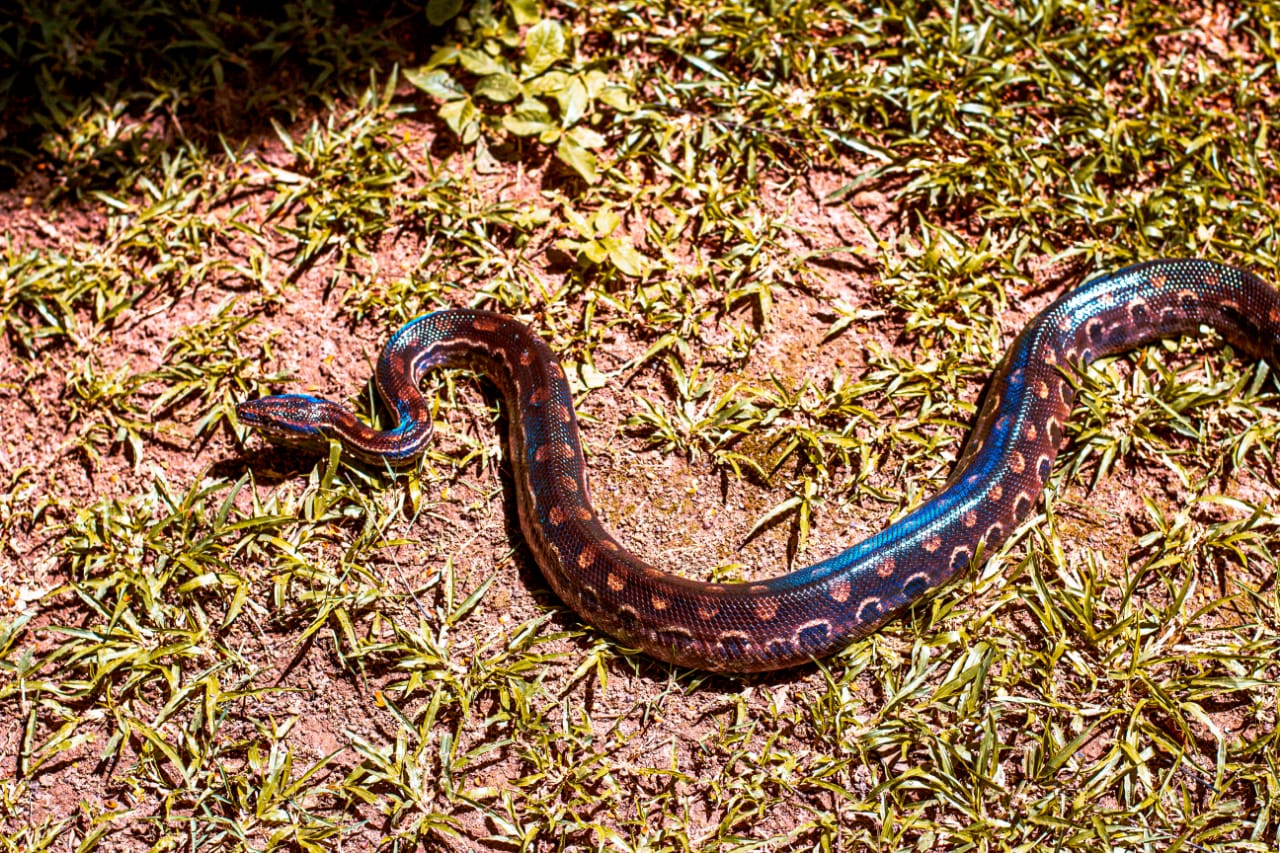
x=816, y=611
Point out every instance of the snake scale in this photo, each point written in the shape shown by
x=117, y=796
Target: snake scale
x=814, y=611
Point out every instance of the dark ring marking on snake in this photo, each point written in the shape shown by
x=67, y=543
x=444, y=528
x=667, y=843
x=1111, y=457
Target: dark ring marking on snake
x=814, y=611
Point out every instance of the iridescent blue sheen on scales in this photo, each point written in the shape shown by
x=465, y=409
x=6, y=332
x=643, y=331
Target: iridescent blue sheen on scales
x=814, y=611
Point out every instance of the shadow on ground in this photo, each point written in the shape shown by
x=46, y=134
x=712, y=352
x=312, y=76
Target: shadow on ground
x=73, y=72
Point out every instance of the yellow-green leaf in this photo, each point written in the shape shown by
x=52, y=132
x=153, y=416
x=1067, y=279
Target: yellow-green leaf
x=544, y=44
x=499, y=88
x=436, y=83
x=582, y=160
x=461, y=118
x=529, y=119
x=439, y=11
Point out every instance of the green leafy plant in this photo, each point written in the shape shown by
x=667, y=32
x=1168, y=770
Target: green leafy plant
x=598, y=242
x=522, y=86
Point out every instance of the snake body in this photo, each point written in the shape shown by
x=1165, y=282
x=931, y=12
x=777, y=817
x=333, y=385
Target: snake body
x=817, y=610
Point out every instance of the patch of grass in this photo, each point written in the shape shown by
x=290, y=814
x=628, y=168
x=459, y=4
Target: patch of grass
x=246, y=651
x=89, y=84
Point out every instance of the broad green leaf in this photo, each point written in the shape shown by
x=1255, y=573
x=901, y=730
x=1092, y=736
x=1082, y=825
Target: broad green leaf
x=439, y=11
x=618, y=98
x=499, y=88
x=438, y=84
x=586, y=137
x=625, y=257
x=582, y=160
x=529, y=119
x=446, y=55
x=461, y=118
x=574, y=102
x=552, y=83
x=480, y=63
x=595, y=80
x=543, y=46
x=580, y=223
x=605, y=222
x=525, y=12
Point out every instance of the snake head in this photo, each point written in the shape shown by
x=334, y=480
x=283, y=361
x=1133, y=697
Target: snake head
x=295, y=418
x=300, y=419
